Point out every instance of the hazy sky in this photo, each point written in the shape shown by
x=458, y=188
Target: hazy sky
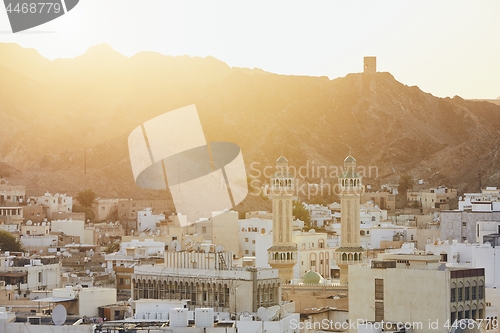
x=446, y=47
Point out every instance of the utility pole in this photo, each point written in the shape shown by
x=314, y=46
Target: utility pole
x=85, y=160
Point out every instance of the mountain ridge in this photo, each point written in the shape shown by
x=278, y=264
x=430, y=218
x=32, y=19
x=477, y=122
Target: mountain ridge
x=90, y=103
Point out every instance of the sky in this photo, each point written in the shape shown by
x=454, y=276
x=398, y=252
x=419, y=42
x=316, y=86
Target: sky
x=446, y=47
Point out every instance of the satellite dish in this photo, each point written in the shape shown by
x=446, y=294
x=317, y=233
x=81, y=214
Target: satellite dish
x=207, y=249
x=219, y=248
x=197, y=246
x=48, y=223
x=188, y=243
x=176, y=245
x=87, y=271
x=157, y=233
x=44, y=224
x=29, y=222
x=261, y=312
x=16, y=296
x=59, y=315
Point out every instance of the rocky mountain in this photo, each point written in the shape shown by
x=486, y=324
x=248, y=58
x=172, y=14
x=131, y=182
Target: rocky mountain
x=56, y=114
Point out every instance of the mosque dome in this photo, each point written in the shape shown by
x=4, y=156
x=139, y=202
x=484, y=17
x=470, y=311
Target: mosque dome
x=311, y=277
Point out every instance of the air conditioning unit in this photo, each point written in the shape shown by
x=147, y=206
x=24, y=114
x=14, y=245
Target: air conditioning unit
x=35, y=320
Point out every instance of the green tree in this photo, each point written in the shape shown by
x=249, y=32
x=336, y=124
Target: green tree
x=86, y=197
x=405, y=183
x=9, y=242
x=89, y=213
x=301, y=213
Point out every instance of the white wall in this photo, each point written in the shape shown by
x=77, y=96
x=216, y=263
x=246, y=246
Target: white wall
x=70, y=227
x=91, y=298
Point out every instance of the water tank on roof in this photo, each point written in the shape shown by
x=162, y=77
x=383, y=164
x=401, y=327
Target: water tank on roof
x=204, y=317
x=178, y=317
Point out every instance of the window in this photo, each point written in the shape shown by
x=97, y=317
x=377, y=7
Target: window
x=40, y=277
x=379, y=289
x=253, y=253
x=467, y=293
x=203, y=230
x=313, y=263
x=120, y=281
x=246, y=240
x=464, y=224
x=480, y=291
x=253, y=241
x=246, y=251
x=474, y=292
x=453, y=295
x=460, y=298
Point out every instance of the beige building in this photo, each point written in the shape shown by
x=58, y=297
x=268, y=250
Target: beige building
x=414, y=289
x=11, y=215
x=55, y=203
x=434, y=197
x=105, y=209
x=221, y=229
x=235, y=290
x=11, y=194
x=313, y=254
x=384, y=200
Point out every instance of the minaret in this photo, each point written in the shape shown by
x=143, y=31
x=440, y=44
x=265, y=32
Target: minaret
x=283, y=254
x=350, y=187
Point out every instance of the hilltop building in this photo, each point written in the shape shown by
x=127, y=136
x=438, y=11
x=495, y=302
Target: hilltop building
x=370, y=64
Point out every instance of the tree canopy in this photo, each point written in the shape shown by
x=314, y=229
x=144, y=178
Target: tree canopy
x=86, y=197
x=9, y=243
x=405, y=183
x=301, y=213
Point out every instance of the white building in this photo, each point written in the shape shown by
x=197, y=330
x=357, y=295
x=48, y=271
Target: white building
x=470, y=255
x=319, y=215
x=312, y=253
x=147, y=221
x=72, y=228
x=248, y=229
x=56, y=203
x=413, y=289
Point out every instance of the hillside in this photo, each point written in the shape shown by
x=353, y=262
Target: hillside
x=52, y=112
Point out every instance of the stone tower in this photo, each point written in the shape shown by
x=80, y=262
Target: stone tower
x=283, y=254
x=370, y=64
x=350, y=187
